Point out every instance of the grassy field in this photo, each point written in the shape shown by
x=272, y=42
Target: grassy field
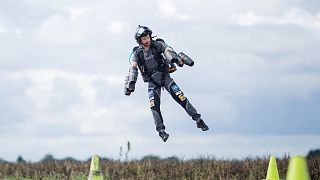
x=152, y=167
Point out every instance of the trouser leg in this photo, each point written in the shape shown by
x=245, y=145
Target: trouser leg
x=154, y=98
x=179, y=97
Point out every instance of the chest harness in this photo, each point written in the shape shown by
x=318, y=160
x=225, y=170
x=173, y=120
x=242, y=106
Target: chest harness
x=147, y=72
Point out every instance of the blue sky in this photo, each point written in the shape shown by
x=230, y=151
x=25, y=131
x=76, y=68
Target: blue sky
x=256, y=79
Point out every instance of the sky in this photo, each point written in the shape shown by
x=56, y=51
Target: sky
x=256, y=78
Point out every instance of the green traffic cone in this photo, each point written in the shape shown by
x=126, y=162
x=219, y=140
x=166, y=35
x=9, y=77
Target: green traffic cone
x=298, y=169
x=95, y=169
x=272, y=173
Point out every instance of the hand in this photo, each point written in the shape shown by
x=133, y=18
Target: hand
x=127, y=92
x=181, y=62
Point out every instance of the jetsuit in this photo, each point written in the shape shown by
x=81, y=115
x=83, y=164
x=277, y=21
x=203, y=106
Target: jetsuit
x=155, y=71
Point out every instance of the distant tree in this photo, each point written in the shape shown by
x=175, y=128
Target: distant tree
x=172, y=158
x=106, y=159
x=48, y=157
x=150, y=158
x=20, y=159
x=3, y=161
x=71, y=159
x=313, y=153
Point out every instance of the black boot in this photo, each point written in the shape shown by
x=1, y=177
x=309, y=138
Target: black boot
x=164, y=136
x=202, y=125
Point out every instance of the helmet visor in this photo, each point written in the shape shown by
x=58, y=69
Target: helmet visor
x=140, y=31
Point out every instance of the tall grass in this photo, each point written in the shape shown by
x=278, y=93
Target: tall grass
x=152, y=167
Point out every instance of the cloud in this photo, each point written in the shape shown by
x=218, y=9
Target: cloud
x=43, y=82
x=118, y=27
x=58, y=29
x=76, y=13
x=170, y=10
x=294, y=16
x=3, y=30
x=51, y=101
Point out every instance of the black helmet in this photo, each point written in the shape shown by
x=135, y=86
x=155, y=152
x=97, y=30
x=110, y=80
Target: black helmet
x=142, y=31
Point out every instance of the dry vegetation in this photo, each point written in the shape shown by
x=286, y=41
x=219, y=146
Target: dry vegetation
x=152, y=167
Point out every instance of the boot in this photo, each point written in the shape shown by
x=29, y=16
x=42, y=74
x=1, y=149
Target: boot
x=164, y=136
x=202, y=125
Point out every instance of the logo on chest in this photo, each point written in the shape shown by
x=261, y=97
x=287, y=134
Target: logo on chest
x=149, y=57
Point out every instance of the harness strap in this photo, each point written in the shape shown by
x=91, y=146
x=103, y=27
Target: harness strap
x=161, y=67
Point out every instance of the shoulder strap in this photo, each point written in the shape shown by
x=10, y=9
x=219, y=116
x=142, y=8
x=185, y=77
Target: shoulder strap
x=141, y=61
x=135, y=48
x=157, y=55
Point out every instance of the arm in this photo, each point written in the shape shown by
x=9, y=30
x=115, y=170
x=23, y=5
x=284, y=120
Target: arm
x=134, y=64
x=169, y=53
x=180, y=59
x=172, y=56
x=131, y=78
